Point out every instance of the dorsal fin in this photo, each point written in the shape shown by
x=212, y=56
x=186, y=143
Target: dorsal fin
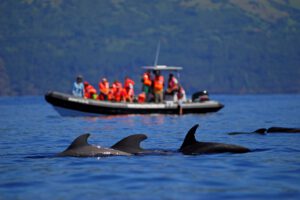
x=190, y=137
x=130, y=144
x=261, y=131
x=80, y=141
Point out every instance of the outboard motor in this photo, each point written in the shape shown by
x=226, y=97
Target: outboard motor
x=200, y=96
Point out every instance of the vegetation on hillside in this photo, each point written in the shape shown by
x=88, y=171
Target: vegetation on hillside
x=225, y=46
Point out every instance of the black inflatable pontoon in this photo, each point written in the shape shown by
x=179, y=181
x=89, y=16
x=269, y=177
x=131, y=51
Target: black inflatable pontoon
x=68, y=105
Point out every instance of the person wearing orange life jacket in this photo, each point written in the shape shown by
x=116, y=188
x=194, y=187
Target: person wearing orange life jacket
x=119, y=93
x=141, y=97
x=158, y=87
x=110, y=95
x=89, y=91
x=104, y=89
x=128, y=86
x=146, y=80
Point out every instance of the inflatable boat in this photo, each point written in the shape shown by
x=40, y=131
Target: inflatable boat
x=69, y=105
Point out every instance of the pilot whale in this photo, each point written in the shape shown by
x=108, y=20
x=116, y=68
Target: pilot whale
x=131, y=144
x=271, y=130
x=191, y=146
x=81, y=148
x=282, y=130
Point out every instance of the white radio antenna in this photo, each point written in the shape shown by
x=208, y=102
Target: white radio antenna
x=157, y=54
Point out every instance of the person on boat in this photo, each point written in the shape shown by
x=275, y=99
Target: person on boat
x=181, y=96
x=142, y=97
x=78, y=88
x=104, y=89
x=119, y=93
x=172, y=89
x=172, y=84
x=89, y=91
x=158, y=87
x=128, y=86
x=146, y=80
x=204, y=97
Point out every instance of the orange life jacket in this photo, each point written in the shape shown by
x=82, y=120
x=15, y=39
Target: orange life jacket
x=159, y=83
x=117, y=91
x=89, y=90
x=120, y=95
x=104, y=87
x=147, y=79
x=110, y=95
x=142, y=97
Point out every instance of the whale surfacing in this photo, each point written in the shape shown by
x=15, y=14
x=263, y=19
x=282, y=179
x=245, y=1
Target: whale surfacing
x=81, y=148
x=283, y=130
x=271, y=130
x=131, y=144
x=191, y=146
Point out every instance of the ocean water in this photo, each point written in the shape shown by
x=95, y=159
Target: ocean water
x=32, y=133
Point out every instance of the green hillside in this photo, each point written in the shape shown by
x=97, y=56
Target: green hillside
x=226, y=46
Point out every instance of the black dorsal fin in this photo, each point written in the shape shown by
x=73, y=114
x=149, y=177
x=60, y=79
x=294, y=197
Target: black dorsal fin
x=130, y=144
x=261, y=131
x=80, y=141
x=190, y=137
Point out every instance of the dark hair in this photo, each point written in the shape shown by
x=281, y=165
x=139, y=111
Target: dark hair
x=79, y=78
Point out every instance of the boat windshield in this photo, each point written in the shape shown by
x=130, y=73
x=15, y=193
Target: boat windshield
x=162, y=68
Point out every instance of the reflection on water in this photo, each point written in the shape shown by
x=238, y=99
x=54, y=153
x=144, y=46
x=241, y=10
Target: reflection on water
x=129, y=120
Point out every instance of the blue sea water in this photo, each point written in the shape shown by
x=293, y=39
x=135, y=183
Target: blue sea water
x=32, y=133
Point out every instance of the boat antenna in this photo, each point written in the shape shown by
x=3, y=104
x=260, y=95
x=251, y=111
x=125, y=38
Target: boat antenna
x=157, y=54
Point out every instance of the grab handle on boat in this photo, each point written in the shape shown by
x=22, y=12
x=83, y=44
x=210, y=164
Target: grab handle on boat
x=180, y=111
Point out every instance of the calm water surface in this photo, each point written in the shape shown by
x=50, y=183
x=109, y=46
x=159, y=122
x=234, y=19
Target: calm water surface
x=32, y=133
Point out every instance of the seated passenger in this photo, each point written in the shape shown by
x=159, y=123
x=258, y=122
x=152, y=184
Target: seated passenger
x=89, y=91
x=119, y=93
x=78, y=88
x=181, y=96
x=128, y=86
x=142, y=97
x=172, y=85
x=104, y=89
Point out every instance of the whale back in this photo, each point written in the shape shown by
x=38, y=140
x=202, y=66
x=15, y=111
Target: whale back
x=260, y=131
x=81, y=148
x=191, y=146
x=283, y=130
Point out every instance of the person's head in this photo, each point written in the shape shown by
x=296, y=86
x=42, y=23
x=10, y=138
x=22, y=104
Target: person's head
x=79, y=79
x=104, y=80
x=86, y=83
